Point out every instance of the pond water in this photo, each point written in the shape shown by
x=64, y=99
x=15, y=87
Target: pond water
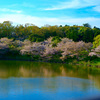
x=22, y=80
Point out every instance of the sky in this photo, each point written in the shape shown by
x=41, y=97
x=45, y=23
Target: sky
x=52, y=12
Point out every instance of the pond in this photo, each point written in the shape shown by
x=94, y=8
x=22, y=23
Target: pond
x=23, y=80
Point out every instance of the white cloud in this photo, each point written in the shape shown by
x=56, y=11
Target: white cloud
x=22, y=19
x=64, y=5
x=74, y=4
x=97, y=8
x=10, y=10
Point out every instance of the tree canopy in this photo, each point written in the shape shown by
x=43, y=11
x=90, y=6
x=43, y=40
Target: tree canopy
x=36, y=34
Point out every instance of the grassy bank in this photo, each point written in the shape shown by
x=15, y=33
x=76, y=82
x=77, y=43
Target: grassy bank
x=91, y=67
x=87, y=62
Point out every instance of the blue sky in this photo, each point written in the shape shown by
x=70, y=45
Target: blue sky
x=52, y=12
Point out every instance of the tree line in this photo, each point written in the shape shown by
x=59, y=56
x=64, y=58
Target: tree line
x=37, y=34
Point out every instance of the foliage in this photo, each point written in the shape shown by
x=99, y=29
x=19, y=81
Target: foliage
x=37, y=34
x=55, y=40
x=87, y=25
x=78, y=49
x=86, y=34
x=95, y=52
x=96, y=42
x=50, y=43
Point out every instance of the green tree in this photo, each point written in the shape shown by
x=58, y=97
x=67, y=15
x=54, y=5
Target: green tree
x=72, y=32
x=96, y=31
x=87, y=25
x=96, y=42
x=86, y=34
x=6, y=29
x=55, y=40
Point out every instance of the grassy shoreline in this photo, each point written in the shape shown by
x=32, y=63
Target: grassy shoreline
x=93, y=62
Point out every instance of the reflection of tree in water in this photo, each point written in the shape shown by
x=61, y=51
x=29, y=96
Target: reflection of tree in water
x=96, y=79
x=24, y=85
x=35, y=69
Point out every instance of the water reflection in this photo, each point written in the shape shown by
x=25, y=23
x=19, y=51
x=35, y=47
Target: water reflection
x=63, y=88
x=44, y=81
x=35, y=69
